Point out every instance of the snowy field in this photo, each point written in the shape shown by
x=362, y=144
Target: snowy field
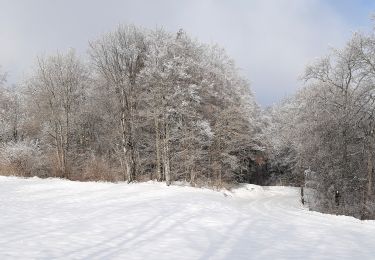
x=58, y=219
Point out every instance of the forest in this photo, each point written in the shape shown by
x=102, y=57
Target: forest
x=155, y=105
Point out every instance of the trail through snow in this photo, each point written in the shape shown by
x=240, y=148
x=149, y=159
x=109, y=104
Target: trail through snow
x=59, y=219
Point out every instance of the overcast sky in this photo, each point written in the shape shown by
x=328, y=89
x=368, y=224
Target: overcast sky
x=270, y=40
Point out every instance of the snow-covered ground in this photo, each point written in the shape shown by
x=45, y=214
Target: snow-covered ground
x=44, y=219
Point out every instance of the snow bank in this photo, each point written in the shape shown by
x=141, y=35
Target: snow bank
x=59, y=219
x=246, y=191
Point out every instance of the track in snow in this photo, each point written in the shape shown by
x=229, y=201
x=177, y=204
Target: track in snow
x=43, y=219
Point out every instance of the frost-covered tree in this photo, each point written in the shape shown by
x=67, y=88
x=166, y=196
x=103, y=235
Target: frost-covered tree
x=327, y=129
x=55, y=93
x=182, y=88
x=2, y=77
x=229, y=107
x=119, y=58
x=280, y=137
x=11, y=112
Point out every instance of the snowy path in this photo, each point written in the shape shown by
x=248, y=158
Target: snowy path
x=44, y=219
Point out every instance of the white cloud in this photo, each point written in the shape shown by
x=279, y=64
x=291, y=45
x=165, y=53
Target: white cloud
x=271, y=40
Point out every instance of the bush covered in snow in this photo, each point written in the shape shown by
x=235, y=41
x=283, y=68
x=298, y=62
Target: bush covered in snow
x=23, y=158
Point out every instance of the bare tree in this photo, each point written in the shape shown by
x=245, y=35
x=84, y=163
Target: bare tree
x=56, y=91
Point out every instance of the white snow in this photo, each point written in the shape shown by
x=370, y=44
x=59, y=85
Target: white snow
x=59, y=219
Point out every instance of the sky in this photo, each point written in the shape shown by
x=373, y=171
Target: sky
x=271, y=41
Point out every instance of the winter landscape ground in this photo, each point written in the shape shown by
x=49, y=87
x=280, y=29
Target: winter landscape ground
x=60, y=219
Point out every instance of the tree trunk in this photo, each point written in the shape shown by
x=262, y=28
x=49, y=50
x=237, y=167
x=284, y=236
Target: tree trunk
x=133, y=161
x=157, y=144
x=370, y=169
x=58, y=152
x=124, y=159
x=62, y=152
x=192, y=177
x=220, y=176
x=66, y=142
x=166, y=165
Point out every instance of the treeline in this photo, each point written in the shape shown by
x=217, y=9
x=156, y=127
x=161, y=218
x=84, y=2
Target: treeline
x=145, y=105
x=153, y=105
x=325, y=133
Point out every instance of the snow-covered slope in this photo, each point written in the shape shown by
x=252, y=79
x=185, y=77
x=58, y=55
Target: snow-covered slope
x=43, y=219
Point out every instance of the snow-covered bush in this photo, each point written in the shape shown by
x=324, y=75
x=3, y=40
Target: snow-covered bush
x=22, y=159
